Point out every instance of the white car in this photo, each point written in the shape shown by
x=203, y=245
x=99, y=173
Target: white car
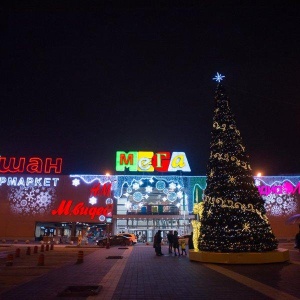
x=131, y=236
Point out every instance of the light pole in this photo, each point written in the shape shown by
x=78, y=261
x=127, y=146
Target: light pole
x=107, y=236
x=108, y=221
x=184, y=213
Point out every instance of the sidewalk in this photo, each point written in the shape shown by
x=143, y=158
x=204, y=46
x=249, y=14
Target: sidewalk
x=139, y=274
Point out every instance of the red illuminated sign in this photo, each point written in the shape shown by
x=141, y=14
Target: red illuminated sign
x=66, y=208
x=31, y=165
x=98, y=190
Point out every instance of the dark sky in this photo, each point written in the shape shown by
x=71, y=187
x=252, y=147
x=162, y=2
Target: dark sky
x=86, y=80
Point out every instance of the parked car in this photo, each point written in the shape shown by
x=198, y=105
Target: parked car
x=115, y=240
x=129, y=235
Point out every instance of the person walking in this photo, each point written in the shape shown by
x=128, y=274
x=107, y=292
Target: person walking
x=170, y=240
x=176, y=243
x=157, y=243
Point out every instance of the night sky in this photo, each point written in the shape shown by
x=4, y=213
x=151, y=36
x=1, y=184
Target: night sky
x=84, y=81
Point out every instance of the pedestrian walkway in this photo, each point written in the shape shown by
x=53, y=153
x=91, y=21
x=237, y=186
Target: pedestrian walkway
x=137, y=273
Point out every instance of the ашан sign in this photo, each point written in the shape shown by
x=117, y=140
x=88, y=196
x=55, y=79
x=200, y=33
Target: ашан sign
x=147, y=161
x=30, y=165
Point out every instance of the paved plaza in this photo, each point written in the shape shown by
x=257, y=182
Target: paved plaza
x=137, y=273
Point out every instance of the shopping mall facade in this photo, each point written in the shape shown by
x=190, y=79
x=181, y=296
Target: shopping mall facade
x=37, y=202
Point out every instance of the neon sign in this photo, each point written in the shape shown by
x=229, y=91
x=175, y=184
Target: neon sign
x=31, y=165
x=29, y=181
x=147, y=161
x=104, y=190
x=65, y=208
x=285, y=188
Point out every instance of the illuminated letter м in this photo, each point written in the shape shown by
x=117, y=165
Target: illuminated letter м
x=128, y=160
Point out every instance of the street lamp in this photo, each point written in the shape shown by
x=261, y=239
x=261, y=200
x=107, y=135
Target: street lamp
x=107, y=236
x=184, y=232
x=108, y=222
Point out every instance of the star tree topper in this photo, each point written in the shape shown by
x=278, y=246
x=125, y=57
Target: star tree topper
x=218, y=77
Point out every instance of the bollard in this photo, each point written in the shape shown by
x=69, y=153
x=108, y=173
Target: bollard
x=18, y=251
x=47, y=247
x=41, y=260
x=35, y=249
x=80, y=257
x=9, y=260
x=28, y=251
x=51, y=246
x=107, y=243
x=42, y=248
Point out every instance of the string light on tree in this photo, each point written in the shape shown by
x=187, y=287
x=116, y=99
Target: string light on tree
x=234, y=217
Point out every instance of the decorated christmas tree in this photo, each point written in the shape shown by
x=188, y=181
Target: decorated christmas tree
x=234, y=217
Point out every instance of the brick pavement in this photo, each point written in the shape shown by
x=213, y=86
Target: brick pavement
x=142, y=275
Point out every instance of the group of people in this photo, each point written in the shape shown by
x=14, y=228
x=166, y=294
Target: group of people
x=174, y=243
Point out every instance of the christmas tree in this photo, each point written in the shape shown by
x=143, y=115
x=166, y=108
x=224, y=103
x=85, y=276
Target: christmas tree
x=234, y=217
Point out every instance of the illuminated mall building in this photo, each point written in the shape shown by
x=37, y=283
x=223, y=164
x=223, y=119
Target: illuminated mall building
x=38, y=203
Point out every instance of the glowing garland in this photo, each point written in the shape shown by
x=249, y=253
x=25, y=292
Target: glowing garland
x=217, y=126
x=148, y=185
x=294, y=180
x=275, y=205
x=223, y=127
x=198, y=209
x=221, y=156
x=88, y=179
x=234, y=205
